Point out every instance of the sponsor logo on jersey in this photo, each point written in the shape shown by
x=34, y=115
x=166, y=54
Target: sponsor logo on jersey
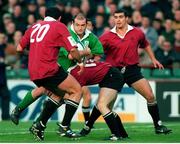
x=72, y=41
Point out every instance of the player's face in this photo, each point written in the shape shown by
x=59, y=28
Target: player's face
x=80, y=26
x=120, y=20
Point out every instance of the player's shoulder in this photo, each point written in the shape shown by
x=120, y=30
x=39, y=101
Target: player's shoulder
x=108, y=32
x=92, y=35
x=137, y=29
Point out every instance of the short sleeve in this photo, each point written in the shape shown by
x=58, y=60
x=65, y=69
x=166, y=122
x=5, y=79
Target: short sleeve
x=143, y=42
x=67, y=40
x=95, y=45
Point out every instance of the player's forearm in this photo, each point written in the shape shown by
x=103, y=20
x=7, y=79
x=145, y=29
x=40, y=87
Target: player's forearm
x=19, y=48
x=86, y=53
x=150, y=52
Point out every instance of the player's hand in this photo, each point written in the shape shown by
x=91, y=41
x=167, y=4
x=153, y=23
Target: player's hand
x=87, y=51
x=75, y=54
x=97, y=58
x=157, y=64
x=81, y=66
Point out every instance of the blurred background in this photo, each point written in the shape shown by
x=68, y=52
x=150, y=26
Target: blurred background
x=158, y=19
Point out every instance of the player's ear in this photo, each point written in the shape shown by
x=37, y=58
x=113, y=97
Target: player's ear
x=59, y=19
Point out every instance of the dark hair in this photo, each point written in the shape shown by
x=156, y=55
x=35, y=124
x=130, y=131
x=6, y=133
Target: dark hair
x=53, y=12
x=122, y=11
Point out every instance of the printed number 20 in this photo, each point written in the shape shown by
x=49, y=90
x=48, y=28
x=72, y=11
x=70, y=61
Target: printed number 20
x=41, y=32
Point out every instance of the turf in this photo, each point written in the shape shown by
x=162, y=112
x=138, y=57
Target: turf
x=138, y=133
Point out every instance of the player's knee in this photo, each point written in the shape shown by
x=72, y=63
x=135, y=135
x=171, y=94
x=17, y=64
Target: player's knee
x=77, y=92
x=101, y=106
x=37, y=92
x=150, y=98
x=87, y=98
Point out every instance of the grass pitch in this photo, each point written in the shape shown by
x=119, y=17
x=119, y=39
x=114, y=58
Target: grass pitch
x=138, y=133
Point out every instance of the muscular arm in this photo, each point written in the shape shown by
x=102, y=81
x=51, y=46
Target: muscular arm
x=74, y=54
x=155, y=62
x=86, y=52
x=19, y=48
x=150, y=52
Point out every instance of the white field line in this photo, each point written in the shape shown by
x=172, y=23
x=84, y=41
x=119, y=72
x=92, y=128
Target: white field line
x=25, y=131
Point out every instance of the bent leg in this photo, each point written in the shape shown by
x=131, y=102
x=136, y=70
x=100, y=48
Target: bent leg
x=106, y=96
x=29, y=98
x=72, y=87
x=86, y=102
x=49, y=108
x=143, y=87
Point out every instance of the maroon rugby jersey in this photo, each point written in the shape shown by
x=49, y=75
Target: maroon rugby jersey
x=44, y=39
x=93, y=73
x=123, y=51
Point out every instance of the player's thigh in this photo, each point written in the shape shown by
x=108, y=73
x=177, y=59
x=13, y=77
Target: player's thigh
x=70, y=85
x=51, y=83
x=113, y=80
x=143, y=87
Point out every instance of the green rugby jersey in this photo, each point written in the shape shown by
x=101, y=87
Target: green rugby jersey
x=88, y=40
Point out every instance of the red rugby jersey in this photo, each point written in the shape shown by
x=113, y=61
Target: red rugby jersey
x=93, y=73
x=44, y=39
x=123, y=51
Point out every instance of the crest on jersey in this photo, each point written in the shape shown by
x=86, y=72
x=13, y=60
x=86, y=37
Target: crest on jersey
x=86, y=44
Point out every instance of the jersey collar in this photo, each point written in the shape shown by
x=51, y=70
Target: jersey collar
x=87, y=32
x=48, y=18
x=113, y=30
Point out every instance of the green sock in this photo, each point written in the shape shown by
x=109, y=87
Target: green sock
x=27, y=100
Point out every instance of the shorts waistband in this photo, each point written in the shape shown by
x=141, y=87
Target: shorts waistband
x=128, y=66
x=124, y=69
